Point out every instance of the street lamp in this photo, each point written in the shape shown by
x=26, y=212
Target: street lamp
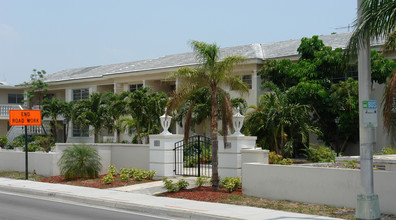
x=165, y=123
x=237, y=120
x=337, y=122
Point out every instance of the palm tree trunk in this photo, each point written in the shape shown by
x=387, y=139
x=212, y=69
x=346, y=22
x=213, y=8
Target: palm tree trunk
x=215, y=143
x=138, y=133
x=282, y=141
x=276, y=143
x=118, y=135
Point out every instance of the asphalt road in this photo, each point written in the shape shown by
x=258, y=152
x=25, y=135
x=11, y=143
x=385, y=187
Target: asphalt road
x=20, y=207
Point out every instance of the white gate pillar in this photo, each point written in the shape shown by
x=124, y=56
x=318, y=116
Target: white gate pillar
x=162, y=155
x=230, y=157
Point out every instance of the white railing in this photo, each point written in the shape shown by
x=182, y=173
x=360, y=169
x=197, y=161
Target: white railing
x=15, y=131
x=5, y=108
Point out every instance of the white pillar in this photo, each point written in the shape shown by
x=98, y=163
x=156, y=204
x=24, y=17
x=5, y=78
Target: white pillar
x=230, y=159
x=162, y=155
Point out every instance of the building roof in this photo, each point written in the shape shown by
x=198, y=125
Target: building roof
x=251, y=51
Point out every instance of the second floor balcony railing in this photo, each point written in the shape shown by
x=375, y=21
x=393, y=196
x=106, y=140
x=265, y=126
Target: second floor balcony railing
x=5, y=108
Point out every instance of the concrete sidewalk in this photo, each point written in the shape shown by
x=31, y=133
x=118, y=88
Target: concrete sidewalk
x=139, y=201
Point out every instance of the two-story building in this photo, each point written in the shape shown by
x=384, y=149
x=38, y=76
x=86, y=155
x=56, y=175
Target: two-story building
x=78, y=83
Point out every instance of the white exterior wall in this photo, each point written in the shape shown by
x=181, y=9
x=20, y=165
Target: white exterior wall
x=46, y=164
x=329, y=186
x=42, y=163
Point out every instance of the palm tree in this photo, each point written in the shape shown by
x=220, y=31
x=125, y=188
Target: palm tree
x=116, y=106
x=52, y=108
x=378, y=20
x=145, y=108
x=80, y=161
x=200, y=110
x=280, y=123
x=68, y=112
x=92, y=111
x=212, y=73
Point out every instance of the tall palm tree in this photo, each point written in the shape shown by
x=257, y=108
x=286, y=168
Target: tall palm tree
x=116, y=106
x=378, y=20
x=92, y=111
x=68, y=112
x=145, y=107
x=52, y=108
x=212, y=73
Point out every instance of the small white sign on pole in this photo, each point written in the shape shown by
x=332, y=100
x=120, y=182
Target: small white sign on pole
x=370, y=113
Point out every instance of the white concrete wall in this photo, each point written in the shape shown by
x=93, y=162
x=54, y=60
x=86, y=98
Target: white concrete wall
x=330, y=186
x=42, y=163
x=130, y=155
x=121, y=155
x=46, y=164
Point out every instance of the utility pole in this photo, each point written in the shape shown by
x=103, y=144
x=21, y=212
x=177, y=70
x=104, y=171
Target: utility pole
x=367, y=202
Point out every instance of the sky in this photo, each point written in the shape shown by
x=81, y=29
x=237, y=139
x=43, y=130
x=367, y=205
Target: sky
x=56, y=35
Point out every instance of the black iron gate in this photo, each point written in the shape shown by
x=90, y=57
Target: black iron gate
x=193, y=158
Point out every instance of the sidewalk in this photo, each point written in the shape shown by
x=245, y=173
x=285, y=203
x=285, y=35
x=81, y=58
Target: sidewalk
x=140, y=200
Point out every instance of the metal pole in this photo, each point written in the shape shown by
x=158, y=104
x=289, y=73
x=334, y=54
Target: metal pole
x=367, y=203
x=26, y=154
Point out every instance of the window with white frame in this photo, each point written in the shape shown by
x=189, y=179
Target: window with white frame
x=80, y=94
x=134, y=87
x=248, y=80
x=15, y=98
x=79, y=131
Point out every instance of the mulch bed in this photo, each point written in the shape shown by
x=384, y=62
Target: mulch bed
x=95, y=183
x=204, y=193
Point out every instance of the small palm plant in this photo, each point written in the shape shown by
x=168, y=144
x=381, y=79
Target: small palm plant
x=80, y=161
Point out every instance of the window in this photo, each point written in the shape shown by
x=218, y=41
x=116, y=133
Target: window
x=135, y=87
x=49, y=96
x=80, y=94
x=15, y=98
x=248, y=80
x=79, y=131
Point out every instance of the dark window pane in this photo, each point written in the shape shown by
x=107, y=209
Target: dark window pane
x=20, y=98
x=11, y=98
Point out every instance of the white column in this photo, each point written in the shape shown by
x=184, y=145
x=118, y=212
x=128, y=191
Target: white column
x=162, y=155
x=230, y=159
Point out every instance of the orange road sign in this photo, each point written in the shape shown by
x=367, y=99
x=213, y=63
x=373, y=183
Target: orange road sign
x=25, y=117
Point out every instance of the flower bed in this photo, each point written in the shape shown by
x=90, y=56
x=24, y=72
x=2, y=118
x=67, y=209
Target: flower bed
x=95, y=183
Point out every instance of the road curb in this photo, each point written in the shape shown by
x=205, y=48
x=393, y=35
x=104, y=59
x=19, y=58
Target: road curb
x=157, y=211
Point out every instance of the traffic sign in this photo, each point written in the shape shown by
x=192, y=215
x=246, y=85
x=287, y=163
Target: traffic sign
x=370, y=113
x=24, y=117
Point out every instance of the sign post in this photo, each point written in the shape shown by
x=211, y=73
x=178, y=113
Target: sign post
x=25, y=118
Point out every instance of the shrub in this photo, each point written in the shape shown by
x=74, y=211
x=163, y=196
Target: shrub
x=138, y=175
x=32, y=147
x=80, y=161
x=108, y=179
x=388, y=150
x=319, y=154
x=150, y=174
x=45, y=142
x=3, y=141
x=112, y=170
x=201, y=181
x=274, y=158
x=182, y=184
x=124, y=174
x=351, y=164
x=174, y=187
x=232, y=183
